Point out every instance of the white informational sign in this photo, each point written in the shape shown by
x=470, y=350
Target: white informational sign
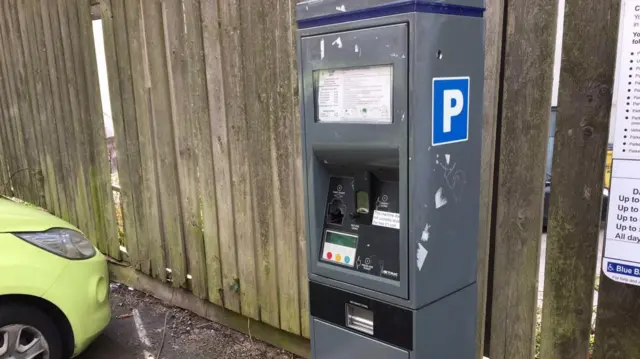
x=357, y=95
x=621, y=260
x=386, y=219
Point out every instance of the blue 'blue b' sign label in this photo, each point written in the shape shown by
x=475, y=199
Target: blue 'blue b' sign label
x=450, y=106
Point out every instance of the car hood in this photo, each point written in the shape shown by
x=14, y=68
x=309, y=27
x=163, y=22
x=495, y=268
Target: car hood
x=15, y=217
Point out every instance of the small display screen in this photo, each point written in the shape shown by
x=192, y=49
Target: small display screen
x=341, y=239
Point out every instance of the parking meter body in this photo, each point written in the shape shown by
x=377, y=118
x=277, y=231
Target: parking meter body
x=391, y=124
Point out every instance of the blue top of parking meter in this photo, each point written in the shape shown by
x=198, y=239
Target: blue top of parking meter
x=312, y=13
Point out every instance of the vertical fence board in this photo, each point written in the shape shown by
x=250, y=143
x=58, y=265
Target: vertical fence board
x=189, y=144
x=125, y=126
x=259, y=114
x=525, y=103
x=582, y=126
x=494, y=16
x=8, y=161
x=64, y=117
x=25, y=178
x=19, y=179
x=278, y=19
x=81, y=121
x=99, y=170
x=299, y=185
x=241, y=182
x=162, y=133
x=221, y=157
x=26, y=16
x=73, y=121
x=39, y=193
x=149, y=217
x=60, y=155
x=47, y=114
x=174, y=37
x=206, y=178
x=206, y=122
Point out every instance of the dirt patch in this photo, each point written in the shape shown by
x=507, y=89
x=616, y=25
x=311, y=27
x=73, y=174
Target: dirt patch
x=138, y=324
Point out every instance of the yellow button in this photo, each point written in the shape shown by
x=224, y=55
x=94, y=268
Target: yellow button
x=338, y=257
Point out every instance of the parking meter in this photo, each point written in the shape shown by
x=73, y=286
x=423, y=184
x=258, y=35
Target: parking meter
x=391, y=111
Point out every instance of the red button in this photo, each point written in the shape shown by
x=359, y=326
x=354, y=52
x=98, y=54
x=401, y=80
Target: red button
x=329, y=255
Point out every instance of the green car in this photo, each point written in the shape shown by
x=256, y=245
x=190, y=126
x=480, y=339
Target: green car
x=54, y=286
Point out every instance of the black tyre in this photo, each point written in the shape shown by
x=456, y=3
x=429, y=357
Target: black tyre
x=26, y=332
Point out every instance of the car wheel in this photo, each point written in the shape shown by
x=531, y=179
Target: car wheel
x=28, y=333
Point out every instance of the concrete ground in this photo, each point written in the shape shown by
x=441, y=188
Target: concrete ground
x=138, y=324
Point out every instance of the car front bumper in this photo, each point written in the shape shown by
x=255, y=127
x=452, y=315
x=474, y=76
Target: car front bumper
x=82, y=293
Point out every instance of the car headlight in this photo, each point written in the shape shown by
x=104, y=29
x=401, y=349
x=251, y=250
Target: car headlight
x=63, y=242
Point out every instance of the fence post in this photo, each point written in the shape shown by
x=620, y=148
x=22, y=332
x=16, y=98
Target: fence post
x=524, y=105
x=586, y=80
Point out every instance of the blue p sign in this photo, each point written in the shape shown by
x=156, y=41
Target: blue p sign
x=450, y=106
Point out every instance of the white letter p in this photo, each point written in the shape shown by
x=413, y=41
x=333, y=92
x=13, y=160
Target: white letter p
x=449, y=109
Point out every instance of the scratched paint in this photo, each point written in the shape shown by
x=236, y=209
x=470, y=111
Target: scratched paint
x=341, y=8
x=322, y=49
x=422, y=256
x=337, y=42
x=425, y=233
x=440, y=199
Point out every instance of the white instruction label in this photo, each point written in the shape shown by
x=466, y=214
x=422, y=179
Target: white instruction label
x=386, y=219
x=357, y=95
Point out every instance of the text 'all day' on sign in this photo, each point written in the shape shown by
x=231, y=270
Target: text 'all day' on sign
x=450, y=106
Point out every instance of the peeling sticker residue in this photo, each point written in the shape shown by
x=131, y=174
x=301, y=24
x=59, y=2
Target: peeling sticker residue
x=425, y=233
x=402, y=118
x=403, y=56
x=448, y=157
x=341, y=8
x=356, y=48
x=440, y=198
x=322, y=49
x=338, y=42
x=394, y=54
x=422, y=256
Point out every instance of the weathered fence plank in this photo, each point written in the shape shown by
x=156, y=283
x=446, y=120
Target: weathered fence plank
x=99, y=171
x=183, y=132
x=230, y=23
x=9, y=156
x=27, y=177
x=188, y=137
x=19, y=172
x=73, y=121
x=64, y=117
x=32, y=141
x=162, y=133
x=209, y=256
x=279, y=19
x=299, y=186
x=25, y=16
x=582, y=127
x=524, y=104
x=61, y=154
x=258, y=151
x=125, y=127
x=215, y=71
x=494, y=32
x=206, y=123
x=47, y=114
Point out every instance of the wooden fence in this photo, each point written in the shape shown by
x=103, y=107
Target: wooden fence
x=204, y=103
